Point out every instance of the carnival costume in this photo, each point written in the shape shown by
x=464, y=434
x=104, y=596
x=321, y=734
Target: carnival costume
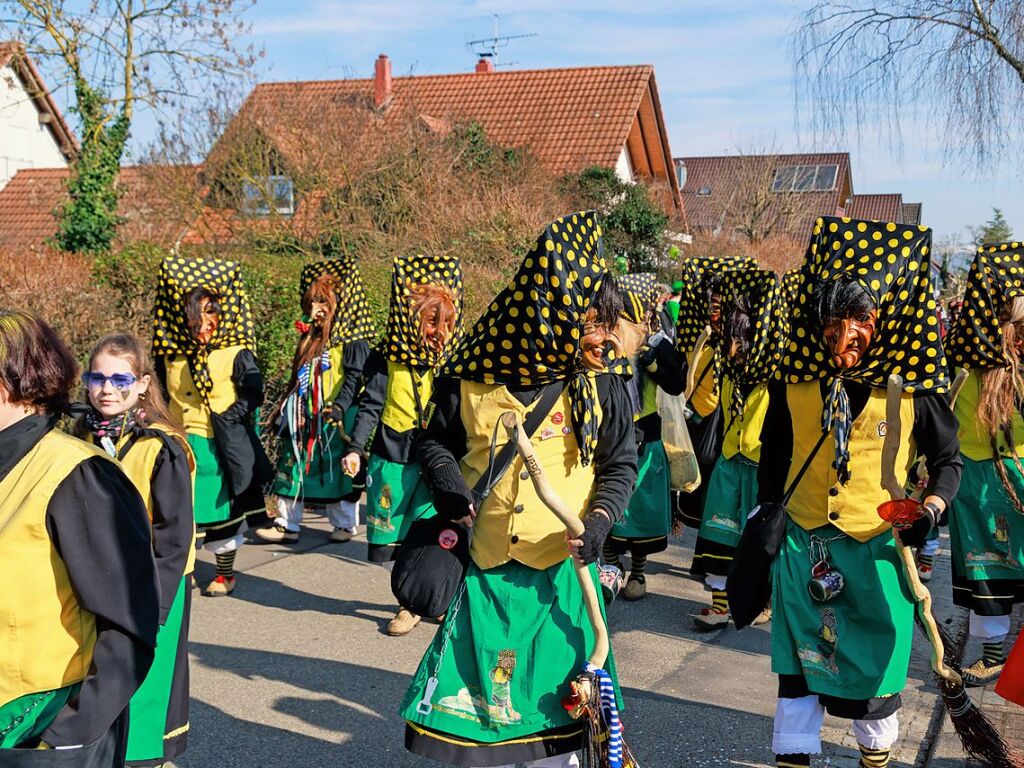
x=79, y=630
x=488, y=689
x=159, y=463
x=215, y=390
x=319, y=406
x=647, y=520
x=846, y=649
x=986, y=527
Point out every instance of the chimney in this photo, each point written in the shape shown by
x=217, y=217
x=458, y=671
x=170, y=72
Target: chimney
x=486, y=64
x=381, y=81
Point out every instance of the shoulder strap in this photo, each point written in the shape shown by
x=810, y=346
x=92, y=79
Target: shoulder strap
x=803, y=469
x=502, y=460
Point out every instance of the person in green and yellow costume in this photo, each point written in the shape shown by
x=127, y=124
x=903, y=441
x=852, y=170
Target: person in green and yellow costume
x=843, y=613
x=986, y=526
x=488, y=691
x=750, y=346
x=326, y=372
x=645, y=525
x=129, y=419
x=80, y=627
x=424, y=322
x=203, y=349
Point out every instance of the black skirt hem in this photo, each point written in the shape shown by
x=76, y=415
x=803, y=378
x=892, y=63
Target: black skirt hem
x=465, y=753
x=647, y=545
x=986, y=597
x=711, y=558
x=875, y=708
x=381, y=553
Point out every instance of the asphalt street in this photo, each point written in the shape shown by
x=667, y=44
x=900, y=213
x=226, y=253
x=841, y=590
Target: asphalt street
x=295, y=669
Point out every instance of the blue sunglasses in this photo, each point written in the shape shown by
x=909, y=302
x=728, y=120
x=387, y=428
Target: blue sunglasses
x=95, y=380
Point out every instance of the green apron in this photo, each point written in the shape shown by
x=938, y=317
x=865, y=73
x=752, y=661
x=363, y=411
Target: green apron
x=211, y=502
x=324, y=482
x=856, y=645
x=731, y=495
x=510, y=649
x=27, y=717
x=396, y=495
x=986, y=533
x=648, y=515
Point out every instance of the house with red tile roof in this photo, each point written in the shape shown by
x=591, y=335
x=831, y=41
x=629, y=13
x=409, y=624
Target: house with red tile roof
x=885, y=207
x=33, y=132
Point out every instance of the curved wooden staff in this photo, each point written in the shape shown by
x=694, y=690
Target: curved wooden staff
x=599, y=654
x=954, y=393
x=691, y=373
x=892, y=484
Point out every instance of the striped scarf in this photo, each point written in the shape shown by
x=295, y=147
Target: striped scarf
x=610, y=713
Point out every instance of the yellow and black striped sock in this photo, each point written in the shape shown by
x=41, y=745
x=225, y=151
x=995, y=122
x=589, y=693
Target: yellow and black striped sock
x=873, y=758
x=609, y=555
x=793, y=761
x=637, y=566
x=992, y=653
x=719, y=601
x=226, y=564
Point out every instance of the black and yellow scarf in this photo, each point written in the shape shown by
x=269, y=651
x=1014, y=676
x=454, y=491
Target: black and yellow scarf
x=996, y=277
x=403, y=342
x=639, y=297
x=353, y=320
x=693, y=302
x=531, y=333
x=171, y=335
x=892, y=263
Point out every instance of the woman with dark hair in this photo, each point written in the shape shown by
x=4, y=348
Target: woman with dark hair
x=79, y=629
x=986, y=529
x=203, y=342
x=423, y=321
x=489, y=689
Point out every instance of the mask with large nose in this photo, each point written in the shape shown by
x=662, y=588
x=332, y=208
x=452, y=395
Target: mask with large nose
x=848, y=339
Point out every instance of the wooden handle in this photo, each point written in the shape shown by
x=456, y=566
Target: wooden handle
x=573, y=524
x=954, y=393
x=691, y=373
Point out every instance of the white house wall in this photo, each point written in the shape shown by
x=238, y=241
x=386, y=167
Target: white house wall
x=623, y=167
x=24, y=141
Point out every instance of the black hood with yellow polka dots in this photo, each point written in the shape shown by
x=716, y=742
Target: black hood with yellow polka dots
x=353, y=320
x=403, y=343
x=171, y=334
x=996, y=277
x=531, y=333
x=697, y=274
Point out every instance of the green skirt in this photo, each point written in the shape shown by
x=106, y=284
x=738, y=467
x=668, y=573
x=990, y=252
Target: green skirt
x=645, y=525
x=158, y=711
x=23, y=720
x=323, y=482
x=856, y=645
x=211, y=502
x=503, y=659
x=731, y=495
x=396, y=495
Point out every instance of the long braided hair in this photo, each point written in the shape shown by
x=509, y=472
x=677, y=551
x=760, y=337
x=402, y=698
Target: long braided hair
x=1002, y=395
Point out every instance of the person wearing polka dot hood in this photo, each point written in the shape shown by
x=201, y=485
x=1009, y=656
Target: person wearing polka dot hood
x=843, y=614
x=424, y=324
x=986, y=529
x=488, y=691
x=203, y=350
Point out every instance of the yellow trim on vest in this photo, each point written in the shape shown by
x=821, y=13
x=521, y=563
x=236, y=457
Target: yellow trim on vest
x=819, y=499
x=704, y=400
x=743, y=433
x=513, y=524
x=399, y=402
x=187, y=405
x=974, y=442
x=46, y=637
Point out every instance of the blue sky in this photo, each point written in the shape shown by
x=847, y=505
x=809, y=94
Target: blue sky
x=723, y=70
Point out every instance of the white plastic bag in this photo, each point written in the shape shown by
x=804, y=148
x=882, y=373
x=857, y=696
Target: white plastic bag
x=684, y=472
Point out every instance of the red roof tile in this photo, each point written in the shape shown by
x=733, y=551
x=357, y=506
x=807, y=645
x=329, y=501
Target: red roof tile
x=885, y=207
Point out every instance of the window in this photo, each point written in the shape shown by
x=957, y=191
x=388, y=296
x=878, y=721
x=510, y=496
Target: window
x=276, y=195
x=805, y=178
x=704, y=192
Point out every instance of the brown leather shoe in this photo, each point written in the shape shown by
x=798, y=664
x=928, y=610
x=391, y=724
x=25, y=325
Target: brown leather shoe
x=710, y=621
x=220, y=587
x=980, y=674
x=340, y=535
x=276, y=534
x=764, y=616
x=403, y=623
x=634, y=589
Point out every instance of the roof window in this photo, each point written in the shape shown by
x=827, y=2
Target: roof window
x=805, y=178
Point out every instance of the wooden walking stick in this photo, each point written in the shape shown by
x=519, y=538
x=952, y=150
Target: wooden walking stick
x=979, y=737
x=691, y=373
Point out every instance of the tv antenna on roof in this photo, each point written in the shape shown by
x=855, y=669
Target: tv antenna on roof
x=488, y=47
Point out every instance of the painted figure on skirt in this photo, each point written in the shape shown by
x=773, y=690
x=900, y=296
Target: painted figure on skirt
x=488, y=691
x=128, y=418
x=843, y=614
x=80, y=629
x=986, y=528
x=424, y=321
x=326, y=373
x=645, y=525
x=203, y=348
x=750, y=346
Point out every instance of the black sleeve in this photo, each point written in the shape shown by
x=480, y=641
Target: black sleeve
x=444, y=439
x=99, y=526
x=776, y=446
x=248, y=382
x=666, y=367
x=353, y=358
x=371, y=402
x=935, y=432
x=615, y=459
x=173, y=520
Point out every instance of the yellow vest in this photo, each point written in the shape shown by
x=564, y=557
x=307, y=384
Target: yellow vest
x=819, y=499
x=514, y=524
x=704, y=400
x=187, y=404
x=400, y=402
x=46, y=638
x=974, y=439
x=335, y=376
x=138, y=464
x=648, y=399
x=744, y=431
